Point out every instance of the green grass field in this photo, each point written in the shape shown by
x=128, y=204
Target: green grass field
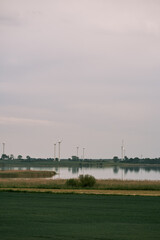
x=71, y=216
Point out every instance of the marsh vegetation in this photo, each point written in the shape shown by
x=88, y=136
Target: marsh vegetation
x=63, y=184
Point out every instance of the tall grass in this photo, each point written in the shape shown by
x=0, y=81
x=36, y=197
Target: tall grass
x=32, y=183
x=61, y=184
x=127, y=185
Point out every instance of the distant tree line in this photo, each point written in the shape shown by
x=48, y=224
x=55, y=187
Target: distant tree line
x=115, y=159
x=137, y=160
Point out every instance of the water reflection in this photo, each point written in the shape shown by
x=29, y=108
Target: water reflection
x=115, y=172
x=115, y=169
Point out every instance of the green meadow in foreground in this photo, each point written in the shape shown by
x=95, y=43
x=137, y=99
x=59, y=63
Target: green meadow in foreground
x=31, y=216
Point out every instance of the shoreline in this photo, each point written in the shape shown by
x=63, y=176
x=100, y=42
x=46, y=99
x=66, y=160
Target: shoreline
x=69, y=163
x=26, y=174
x=85, y=191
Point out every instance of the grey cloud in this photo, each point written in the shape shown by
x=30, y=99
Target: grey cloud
x=8, y=20
x=91, y=67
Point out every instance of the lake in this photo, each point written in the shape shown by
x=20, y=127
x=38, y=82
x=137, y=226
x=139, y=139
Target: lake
x=115, y=172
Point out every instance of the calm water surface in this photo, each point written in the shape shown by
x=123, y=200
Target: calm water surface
x=125, y=173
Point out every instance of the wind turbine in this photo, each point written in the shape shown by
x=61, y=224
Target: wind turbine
x=3, y=148
x=54, y=151
x=83, y=153
x=122, y=151
x=59, y=150
x=77, y=152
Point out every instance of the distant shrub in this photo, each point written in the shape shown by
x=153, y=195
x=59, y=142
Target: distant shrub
x=87, y=181
x=82, y=181
x=72, y=182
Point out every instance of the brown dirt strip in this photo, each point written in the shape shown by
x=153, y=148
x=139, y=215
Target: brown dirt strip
x=86, y=191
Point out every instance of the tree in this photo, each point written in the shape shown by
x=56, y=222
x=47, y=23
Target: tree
x=4, y=157
x=11, y=157
x=19, y=156
x=28, y=157
x=74, y=158
x=115, y=159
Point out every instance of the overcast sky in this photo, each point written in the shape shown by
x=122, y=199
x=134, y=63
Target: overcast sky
x=85, y=71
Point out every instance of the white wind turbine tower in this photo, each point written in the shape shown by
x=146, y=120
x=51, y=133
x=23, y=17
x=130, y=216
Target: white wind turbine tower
x=122, y=151
x=59, y=150
x=54, y=151
x=77, y=151
x=83, y=153
x=3, y=148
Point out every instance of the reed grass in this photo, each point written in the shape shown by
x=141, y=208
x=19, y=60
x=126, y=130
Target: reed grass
x=32, y=183
x=127, y=185
x=61, y=184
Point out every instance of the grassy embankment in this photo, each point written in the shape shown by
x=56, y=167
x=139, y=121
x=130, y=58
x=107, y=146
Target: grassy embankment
x=26, y=174
x=31, y=216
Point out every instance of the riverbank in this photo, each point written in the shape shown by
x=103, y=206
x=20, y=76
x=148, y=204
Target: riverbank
x=85, y=191
x=26, y=174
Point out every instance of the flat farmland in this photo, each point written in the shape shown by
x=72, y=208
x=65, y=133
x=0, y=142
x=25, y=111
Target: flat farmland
x=31, y=216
